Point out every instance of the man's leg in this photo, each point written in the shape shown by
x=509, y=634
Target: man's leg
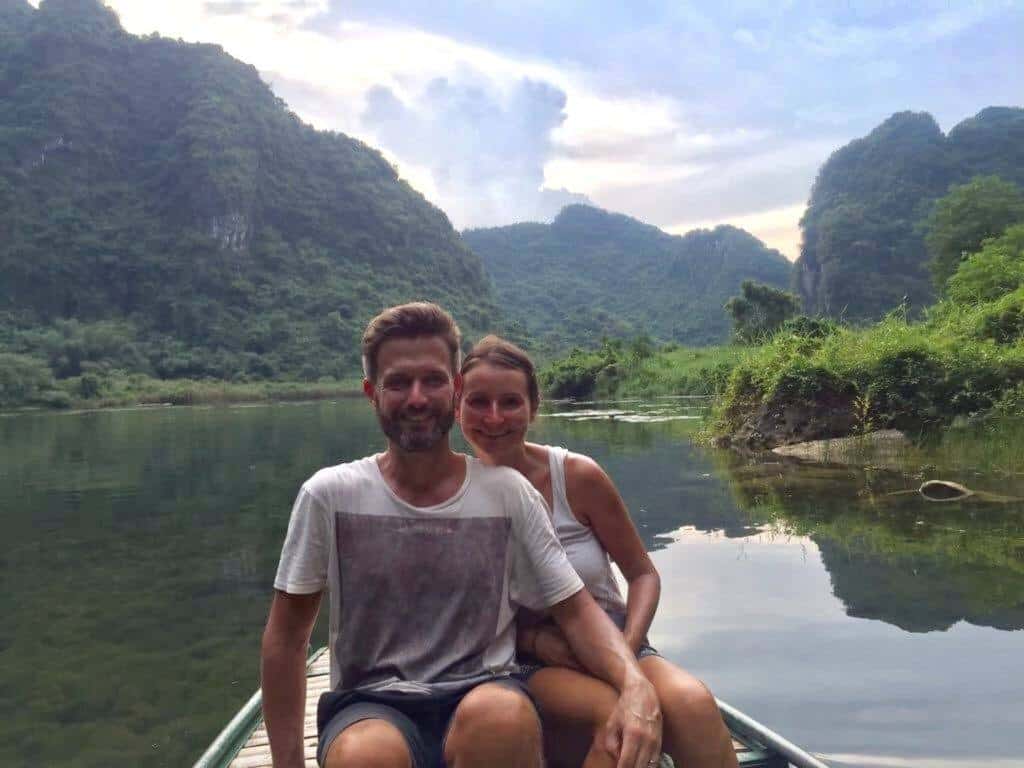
x=497, y=725
x=369, y=744
x=694, y=734
x=366, y=733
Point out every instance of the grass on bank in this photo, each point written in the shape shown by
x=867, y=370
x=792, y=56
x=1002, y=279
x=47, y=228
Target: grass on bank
x=114, y=389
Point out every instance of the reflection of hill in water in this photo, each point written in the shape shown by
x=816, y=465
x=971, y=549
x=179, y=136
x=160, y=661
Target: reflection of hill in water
x=921, y=594
x=666, y=481
x=916, y=564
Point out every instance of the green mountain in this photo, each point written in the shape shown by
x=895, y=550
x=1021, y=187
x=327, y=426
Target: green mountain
x=164, y=212
x=591, y=273
x=863, y=251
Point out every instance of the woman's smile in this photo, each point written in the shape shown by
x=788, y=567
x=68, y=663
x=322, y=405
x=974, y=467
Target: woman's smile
x=495, y=407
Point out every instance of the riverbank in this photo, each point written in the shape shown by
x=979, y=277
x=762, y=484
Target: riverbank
x=90, y=392
x=815, y=380
x=820, y=383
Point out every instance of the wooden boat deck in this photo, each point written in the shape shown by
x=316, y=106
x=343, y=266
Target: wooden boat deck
x=255, y=752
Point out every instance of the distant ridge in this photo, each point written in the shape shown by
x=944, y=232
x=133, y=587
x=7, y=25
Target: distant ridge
x=592, y=273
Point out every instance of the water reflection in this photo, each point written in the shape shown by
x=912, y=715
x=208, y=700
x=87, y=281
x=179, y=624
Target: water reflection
x=896, y=556
x=140, y=547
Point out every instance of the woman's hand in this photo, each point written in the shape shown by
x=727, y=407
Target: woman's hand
x=550, y=646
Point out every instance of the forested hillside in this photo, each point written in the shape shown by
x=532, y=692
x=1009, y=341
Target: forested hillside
x=863, y=250
x=592, y=273
x=164, y=212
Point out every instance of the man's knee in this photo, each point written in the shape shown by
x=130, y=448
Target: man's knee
x=372, y=743
x=497, y=711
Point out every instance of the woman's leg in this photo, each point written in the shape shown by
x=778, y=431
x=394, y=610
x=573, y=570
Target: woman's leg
x=694, y=734
x=574, y=707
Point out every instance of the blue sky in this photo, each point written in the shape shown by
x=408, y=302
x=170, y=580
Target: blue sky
x=679, y=114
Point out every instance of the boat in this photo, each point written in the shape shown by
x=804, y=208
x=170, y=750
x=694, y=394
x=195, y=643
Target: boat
x=243, y=742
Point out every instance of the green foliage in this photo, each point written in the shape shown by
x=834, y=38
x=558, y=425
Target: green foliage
x=574, y=376
x=592, y=274
x=912, y=376
x=165, y=213
x=809, y=327
x=1002, y=320
x=863, y=253
x=759, y=311
x=616, y=370
x=967, y=216
x=1011, y=403
x=997, y=269
x=22, y=379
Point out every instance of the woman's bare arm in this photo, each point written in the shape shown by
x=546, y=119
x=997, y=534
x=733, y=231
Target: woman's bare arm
x=595, y=501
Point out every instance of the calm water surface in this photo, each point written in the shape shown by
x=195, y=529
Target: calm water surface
x=867, y=625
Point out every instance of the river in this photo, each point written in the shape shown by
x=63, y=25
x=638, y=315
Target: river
x=868, y=625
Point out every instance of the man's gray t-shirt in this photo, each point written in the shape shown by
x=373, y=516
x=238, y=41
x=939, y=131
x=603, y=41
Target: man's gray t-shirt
x=423, y=599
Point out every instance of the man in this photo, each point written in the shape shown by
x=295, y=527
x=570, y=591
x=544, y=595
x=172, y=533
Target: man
x=426, y=554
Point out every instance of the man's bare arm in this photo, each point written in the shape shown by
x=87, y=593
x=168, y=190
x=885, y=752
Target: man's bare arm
x=283, y=672
x=601, y=648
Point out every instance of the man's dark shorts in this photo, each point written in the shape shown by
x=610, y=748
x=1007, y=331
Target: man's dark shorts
x=423, y=720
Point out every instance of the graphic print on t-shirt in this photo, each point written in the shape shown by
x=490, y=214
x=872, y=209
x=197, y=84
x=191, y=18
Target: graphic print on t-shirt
x=419, y=597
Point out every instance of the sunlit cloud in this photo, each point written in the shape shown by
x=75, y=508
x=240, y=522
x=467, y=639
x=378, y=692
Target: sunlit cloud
x=597, y=175
x=779, y=228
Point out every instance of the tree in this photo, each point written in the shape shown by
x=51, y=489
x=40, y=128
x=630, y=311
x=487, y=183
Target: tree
x=759, y=311
x=996, y=270
x=967, y=216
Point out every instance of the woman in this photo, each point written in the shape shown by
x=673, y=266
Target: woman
x=500, y=396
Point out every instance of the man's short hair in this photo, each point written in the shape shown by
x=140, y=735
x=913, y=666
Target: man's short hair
x=409, y=321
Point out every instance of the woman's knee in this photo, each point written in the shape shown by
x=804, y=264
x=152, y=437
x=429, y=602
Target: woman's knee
x=684, y=699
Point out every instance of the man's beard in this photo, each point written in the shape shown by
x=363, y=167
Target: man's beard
x=416, y=440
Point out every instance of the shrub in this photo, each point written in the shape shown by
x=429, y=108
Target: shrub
x=809, y=327
x=996, y=270
x=1002, y=321
x=22, y=379
x=88, y=386
x=759, y=311
x=574, y=376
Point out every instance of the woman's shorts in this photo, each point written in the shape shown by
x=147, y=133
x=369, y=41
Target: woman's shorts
x=528, y=665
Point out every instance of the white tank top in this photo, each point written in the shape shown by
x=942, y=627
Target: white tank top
x=585, y=552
